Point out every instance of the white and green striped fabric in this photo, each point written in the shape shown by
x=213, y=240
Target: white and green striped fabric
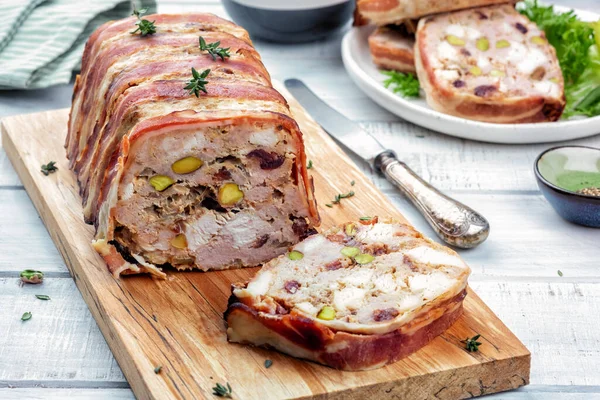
x=41, y=41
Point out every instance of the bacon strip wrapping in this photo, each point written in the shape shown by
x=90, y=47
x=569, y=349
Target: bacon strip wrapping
x=170, y=179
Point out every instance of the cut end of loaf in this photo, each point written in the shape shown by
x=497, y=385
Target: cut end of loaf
x=173, y=179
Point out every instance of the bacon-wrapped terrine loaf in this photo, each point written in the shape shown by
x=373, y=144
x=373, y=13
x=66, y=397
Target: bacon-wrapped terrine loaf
x=383, y=12
x=392, y=48
x=358, y=297
x=211, y=181
x=489, y=64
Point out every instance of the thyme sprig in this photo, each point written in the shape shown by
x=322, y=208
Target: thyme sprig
x=222, y=391
x=49, y=168
x=144, y=27
x=338, y=198
x=198, y=82
x=472, y=344
x=214, y=50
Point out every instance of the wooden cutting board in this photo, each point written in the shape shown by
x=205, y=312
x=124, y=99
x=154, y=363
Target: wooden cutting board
x=177, y=323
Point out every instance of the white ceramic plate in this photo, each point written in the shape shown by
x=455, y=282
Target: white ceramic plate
x=357, y=60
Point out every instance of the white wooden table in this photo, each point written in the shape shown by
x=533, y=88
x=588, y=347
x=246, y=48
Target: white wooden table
x=60, y=353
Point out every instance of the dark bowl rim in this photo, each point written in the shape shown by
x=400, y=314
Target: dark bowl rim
x=559, y=189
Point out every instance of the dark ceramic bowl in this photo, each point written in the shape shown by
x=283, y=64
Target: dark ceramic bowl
x=560, y=172
x=290, y=21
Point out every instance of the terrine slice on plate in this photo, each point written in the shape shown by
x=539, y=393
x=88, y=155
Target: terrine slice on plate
x=489, y=64
x=392, y=48
x=357, y=297
x=205, y=180
x=385, y=12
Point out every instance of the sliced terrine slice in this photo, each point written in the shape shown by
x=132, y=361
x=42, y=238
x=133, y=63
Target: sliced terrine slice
x=392, y=48
x=489, y=64
x=357, y=297
x=383, y=12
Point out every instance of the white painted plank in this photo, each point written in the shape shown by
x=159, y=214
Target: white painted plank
x=530, y=393
x=528, y=240
x=446, y=162
x=544, y=392
x=24, y=241
x=61, y=342
x=456, y=164
x=62, y=394
x=8, y=176
x=557, y=321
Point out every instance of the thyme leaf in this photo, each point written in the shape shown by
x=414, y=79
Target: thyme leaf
x=198, y=82
x=472, y=344
x=157, y=369
x=268, y=363
x=310, y=164
x=366, y=218
x=42, y=296
x=222, y=391
x=214, y=50
x=26, y=316
x=49, y=168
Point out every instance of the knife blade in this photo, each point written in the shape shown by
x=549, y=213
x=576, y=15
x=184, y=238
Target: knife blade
x=454, y=222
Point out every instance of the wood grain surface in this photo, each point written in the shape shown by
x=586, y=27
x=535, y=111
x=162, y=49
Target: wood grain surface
x=178, y=324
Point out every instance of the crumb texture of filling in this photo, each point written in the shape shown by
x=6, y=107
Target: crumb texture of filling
x=224, y=191
x=363, y=274
x=492, y=52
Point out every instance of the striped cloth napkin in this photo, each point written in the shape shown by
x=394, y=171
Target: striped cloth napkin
x=42, y=41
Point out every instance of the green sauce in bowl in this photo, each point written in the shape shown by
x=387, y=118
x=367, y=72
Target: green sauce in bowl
x=571, y=168
x=569, y=178
x=577, y=180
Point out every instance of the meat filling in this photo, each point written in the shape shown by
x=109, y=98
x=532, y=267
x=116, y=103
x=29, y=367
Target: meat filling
x=240, y=207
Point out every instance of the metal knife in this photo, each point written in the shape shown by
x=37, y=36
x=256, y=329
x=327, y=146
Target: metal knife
x=454, y=222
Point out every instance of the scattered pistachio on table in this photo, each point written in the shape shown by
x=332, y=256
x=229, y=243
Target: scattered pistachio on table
x=32, y=276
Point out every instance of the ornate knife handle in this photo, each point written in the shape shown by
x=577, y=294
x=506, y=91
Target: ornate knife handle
x=454, y=222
